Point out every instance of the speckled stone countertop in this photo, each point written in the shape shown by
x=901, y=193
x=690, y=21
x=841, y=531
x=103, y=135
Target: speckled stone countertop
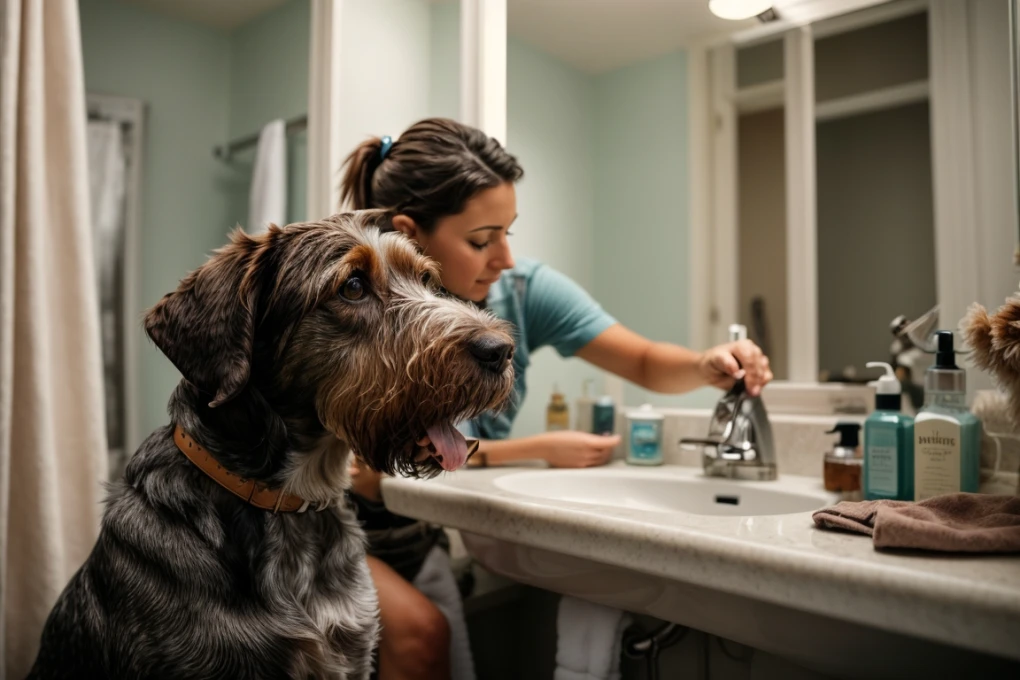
x=969, y=601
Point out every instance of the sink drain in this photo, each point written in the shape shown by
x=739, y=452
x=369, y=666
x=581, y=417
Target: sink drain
x=727, y=500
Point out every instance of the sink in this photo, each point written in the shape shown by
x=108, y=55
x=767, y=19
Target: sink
x=738, y=559
x=654, y=491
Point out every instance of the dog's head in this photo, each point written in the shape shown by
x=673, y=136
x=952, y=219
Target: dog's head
x=340, y=330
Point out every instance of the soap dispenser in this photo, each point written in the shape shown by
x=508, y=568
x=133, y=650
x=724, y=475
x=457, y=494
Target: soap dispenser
x=557, y=414
x=947, y=437
x=842, y=471
x=888, y=442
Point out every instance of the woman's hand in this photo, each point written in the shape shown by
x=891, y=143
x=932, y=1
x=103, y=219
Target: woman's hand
x=365, y=481
x=723, y=365
x=573, y=449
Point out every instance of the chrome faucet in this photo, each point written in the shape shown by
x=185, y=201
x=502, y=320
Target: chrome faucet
x=739, y=444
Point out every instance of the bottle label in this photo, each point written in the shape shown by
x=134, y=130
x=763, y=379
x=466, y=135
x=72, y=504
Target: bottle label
x=644, y=440
x=936, y=458
x=882, y=462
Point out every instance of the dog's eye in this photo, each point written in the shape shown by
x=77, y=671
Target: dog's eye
x=353, y=289
x=426, y=280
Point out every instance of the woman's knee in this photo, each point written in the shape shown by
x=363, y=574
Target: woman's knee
x=420, y=637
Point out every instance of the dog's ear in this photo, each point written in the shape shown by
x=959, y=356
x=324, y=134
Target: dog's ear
x=207, y=326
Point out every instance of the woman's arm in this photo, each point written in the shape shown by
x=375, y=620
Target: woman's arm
x=663, y=367
x=560, y=449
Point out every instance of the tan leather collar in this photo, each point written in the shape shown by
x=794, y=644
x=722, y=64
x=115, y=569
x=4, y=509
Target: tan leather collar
x=247, y=490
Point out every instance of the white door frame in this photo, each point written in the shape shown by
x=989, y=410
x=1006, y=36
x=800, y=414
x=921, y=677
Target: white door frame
x=724, y=191
x=483, y=96
x=957, y=260
x=324, y=153
x=801, y=206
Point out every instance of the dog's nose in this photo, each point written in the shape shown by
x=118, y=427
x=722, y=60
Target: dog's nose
x=491, y=351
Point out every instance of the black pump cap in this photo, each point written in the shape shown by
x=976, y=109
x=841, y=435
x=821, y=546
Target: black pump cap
x=945, y=357
x=888, y=402
x=849, y=434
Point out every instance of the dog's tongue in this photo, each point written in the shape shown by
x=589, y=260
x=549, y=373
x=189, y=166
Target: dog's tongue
x=451, y=447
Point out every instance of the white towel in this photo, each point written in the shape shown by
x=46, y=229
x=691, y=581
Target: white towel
x=436, y=582
x=589, y=640
x=268, y=200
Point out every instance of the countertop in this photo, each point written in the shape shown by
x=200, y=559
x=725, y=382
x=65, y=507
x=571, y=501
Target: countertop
x=970, y=601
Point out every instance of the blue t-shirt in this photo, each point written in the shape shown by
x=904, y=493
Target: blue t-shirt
x=545, y=308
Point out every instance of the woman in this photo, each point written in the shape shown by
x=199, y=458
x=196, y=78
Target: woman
x=451, y=188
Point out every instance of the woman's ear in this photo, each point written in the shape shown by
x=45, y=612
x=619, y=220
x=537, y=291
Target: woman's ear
x=406, y=226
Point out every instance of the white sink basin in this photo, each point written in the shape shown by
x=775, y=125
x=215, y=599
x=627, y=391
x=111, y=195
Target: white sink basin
x=651, y=490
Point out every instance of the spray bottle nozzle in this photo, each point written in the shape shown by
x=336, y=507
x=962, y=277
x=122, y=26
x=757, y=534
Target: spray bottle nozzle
x=888, y=383
x=849, y=434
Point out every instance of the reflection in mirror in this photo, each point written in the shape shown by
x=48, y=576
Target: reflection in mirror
x=597, y=113
x=887, y=191
x=876, y=233
x=170, y=84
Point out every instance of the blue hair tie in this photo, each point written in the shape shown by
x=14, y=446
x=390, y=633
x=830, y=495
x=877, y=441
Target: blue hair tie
x=387, y=144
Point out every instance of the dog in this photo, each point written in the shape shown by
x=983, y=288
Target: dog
x=994, y=340
x=296, y=348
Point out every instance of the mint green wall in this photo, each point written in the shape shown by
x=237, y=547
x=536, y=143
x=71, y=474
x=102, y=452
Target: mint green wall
x=444, y=60
x=642, y=218
x=269, y=80
x=605, y=200
x=551, y=130
x=201, y=87
x=181, y=72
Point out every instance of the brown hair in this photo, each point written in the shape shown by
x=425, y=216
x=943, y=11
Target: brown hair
x=430, y=172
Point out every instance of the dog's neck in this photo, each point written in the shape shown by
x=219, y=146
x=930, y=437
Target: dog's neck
x=251, y=439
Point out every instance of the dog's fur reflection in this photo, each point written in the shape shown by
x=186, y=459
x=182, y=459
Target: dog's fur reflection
x=295, y=346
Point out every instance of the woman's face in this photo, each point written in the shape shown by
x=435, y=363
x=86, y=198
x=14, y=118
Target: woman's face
x=470, y=247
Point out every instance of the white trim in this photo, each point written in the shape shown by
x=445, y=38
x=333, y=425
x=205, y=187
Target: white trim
x=957, y=262
x=469, y=67
x=878, y=14
x=1014, y=85
x=483, y=32
x=725, y=251
x=763, y=97
x=801, y=213
x=324, y=153
x=131, y=111
x=875, y=100
x=699, y=198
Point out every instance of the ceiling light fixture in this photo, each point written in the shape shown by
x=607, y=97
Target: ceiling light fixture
x=738, y=9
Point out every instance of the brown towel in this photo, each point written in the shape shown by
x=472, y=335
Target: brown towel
x=959, y=522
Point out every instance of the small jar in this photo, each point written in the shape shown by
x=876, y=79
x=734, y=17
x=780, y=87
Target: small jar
x=644, y=436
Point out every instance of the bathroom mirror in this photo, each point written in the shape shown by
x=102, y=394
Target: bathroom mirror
x=812, y=177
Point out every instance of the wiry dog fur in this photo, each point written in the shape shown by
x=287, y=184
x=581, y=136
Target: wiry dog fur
x=283, y=376
x=995, y=341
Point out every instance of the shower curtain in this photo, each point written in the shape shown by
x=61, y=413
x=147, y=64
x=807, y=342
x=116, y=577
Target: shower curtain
x=53, y=451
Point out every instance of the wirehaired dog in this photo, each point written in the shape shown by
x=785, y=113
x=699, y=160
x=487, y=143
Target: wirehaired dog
x=995, y=343
x=296, y=347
